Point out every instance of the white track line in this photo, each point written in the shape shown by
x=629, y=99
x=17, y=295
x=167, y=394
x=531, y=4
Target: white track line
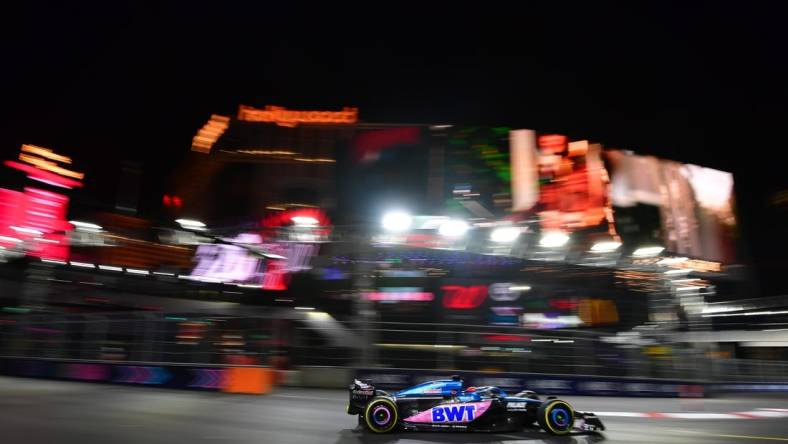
x=754, y=414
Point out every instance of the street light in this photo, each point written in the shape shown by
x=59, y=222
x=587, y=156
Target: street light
x=304, y=221
x=191, y=224
x=85, y=226
x=397, y=221
x=648, y=251
x=553, y=239
x=453, y=228
x=504, y=235
x=605, y=246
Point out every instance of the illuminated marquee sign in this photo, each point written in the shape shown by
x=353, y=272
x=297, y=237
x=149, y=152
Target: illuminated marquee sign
x=233, y=263
x=34, y=221
x=41, y=164
x=290, y=118
x=459, y=297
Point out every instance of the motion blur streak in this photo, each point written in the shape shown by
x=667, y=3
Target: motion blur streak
x=130, y=415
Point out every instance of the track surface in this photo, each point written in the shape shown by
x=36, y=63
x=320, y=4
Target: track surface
x=38, y=411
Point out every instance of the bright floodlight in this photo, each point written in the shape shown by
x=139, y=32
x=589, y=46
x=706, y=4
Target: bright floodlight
x=648, y=251
x=605, y=247
x=453, y=228
x=26, y=230
x=191, y=224
x=304, y=221
x=553, y=239
x=505, y=235
x=397, y=221
x=86, y=226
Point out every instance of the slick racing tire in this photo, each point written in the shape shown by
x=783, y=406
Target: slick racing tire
x=556, y=417
x=381, y=415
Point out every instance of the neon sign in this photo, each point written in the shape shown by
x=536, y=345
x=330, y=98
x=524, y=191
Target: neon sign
x=463, y=298
x=233, y=263
x=290, y=118
x=210, y=133
x=30, y=154
x=35, y=220
x=397, y=296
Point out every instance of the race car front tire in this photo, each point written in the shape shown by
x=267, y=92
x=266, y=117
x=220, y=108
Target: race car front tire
x=381, y=415
x=556, y=417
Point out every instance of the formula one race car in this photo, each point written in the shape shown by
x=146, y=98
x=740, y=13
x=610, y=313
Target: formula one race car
x=444, y=405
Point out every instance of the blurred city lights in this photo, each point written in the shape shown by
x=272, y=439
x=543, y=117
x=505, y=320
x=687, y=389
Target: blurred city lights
x=53, y=261
x=26, y=230
x=191, y=224
x=672, y=261
x=397, y=221
x=519, y=288
x=648, y=251
x=605, y=247
x=504, y=235
x=290, y=118
x=305, y=221
x=85, y=226
x=680, y=271
x=208, y=135
x=553, y=239
x=137, y=271
x=453, y=228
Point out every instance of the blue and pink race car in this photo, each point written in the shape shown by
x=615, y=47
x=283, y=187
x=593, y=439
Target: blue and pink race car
x=444, y=405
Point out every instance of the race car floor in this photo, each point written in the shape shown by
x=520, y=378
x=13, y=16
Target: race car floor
x=39, y=411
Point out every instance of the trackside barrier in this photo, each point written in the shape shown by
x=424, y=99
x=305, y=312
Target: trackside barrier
x=230, y=379
x=776, y=387
x=394, y=379
x=325, y=377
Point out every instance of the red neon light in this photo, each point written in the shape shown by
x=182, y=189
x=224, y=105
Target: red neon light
x=463, y=298
x=552, y=143
x=506, y=338
x=276, y=277
x=368, y=145
x=171, y=201
x=38, y=210
x=285, y=218
x=44, y=176
x=564, y=304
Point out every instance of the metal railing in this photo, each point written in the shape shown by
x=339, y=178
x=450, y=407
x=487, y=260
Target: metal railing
x=154, y=337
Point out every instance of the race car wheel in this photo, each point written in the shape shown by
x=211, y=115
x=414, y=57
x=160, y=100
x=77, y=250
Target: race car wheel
x=556, y=417
x=381, y=415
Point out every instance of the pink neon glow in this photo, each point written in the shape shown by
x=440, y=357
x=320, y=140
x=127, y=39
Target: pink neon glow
x=87, y=372
x=227, y=263
x=398, y=296
x=32, y=212
x=459, y=408
x=232, y=263
x=44, y=176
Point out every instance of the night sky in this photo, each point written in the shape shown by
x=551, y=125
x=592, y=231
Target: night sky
x=702, y=83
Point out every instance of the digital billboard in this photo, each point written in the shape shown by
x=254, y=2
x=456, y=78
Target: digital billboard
x=642, y=200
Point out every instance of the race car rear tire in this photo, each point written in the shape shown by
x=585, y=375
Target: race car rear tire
x=381, y=415
x=556, y=417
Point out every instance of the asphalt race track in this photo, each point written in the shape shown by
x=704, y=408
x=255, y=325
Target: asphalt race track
x=39, y=411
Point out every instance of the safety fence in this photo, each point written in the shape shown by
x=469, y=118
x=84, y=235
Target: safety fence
x=190, y=350
x=229, y=379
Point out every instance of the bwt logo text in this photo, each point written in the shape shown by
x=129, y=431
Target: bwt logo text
x=462, y=413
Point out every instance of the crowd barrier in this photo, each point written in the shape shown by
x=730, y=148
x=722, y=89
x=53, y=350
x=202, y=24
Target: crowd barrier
x=230, y=379
x=261, y=380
